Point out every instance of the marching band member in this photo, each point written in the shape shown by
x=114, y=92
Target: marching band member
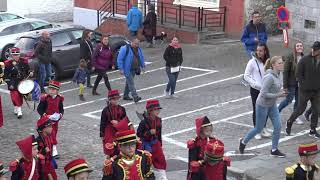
x=3, y=171
x=16, y=70
x=52, y=104
x=77, y=169
x=130, y=163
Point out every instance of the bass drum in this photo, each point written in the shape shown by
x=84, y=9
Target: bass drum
x=25, y=88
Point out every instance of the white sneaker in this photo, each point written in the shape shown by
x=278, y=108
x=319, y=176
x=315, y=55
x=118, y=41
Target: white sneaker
x=299, y=121
x=265, y=133
x=55, y=152
x=258, y=136
x=19, y=112
x=15, y=110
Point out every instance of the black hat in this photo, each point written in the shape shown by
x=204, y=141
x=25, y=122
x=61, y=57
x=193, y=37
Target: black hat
x=316, y=45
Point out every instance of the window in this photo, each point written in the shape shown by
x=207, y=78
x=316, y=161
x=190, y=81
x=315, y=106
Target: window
x=37, y=25
x=60, y=39
x=96, y=37
x=77, y=34
x=19, y=28
x=7, y=16
x=308, y=24
x=26, y=44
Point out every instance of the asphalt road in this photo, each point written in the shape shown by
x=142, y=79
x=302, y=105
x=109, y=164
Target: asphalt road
x=208, y=84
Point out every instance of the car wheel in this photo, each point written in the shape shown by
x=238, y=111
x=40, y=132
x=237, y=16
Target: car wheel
x=55, y=75
x=6, y=52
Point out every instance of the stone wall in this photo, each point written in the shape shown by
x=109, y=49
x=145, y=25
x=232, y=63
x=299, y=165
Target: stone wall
x=267, y=8
x=301, y=14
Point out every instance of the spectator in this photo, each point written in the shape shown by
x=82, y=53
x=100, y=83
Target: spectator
x=174, y=59
x=308, y=73
x=102, y=61
x=86, y=51
x=134, y=20
x=267, y=106
x=253, y=75
x=254, y=33
x=150, y=26
x=290, y=84
x=130, y=63
x=43, y=52
x=79, y=77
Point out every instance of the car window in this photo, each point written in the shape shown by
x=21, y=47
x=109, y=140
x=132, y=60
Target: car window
x=19, y=28
x=77, y=34
x=96, y=37
x=60, y=39
x=25, y=43
x=37, y=25
x=8, y=16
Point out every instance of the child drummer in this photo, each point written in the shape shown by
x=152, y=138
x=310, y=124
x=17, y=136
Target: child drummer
x=16, y=70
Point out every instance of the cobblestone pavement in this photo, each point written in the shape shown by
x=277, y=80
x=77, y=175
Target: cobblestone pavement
x=208, y=84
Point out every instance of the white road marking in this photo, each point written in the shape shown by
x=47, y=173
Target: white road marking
x=250, y=126
x=4, y=91
x=284, y=139
x=213, y=122
x=111, y=80
x=159, y=85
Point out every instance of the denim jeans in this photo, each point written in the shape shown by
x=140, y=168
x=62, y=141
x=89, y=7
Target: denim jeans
x=262, y=113
x=130, y=86
x=292, y=93
x=44, y=73
x=172, y=80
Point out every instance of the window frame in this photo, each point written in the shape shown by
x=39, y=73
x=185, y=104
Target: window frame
x=59, y=33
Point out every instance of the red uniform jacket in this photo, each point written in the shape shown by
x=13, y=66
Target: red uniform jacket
x=152, y=143
x=119, y=169
x=46, y=165
x=21, y=169
x=107, y=130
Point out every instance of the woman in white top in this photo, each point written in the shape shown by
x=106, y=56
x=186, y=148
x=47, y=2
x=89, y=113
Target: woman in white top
x=253, y=75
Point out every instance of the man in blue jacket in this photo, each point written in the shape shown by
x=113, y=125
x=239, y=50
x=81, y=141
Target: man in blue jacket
x=130, y=63
x=134, y=20
x=254, y=33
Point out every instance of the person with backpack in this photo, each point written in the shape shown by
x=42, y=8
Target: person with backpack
x=102, y=61
x=130, y=62
x=253, y=76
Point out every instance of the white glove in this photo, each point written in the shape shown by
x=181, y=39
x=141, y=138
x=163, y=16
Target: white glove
x=55, y=117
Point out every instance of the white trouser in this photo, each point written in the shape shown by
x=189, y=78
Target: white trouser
x=160, y=174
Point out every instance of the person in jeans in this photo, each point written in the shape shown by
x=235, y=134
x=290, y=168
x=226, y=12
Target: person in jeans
x=130, y=62
x=86, y=51
x=173, y=57
x=134, y=20
x=267, y=106
x=308, y=74
x=102, y=61
x=290, y=84
x=253, y=75
x=43, y=52
x=254, y=33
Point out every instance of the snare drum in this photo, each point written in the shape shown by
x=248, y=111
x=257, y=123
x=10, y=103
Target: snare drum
x=25, y=87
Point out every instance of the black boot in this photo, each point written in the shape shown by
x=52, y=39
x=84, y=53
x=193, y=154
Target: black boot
x=81, y=97
x=94, y=91
x=288, y=128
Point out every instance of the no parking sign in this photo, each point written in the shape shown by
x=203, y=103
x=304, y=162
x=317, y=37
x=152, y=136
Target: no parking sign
x=284, y=24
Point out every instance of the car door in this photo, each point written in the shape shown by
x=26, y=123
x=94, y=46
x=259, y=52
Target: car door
x=61, y=45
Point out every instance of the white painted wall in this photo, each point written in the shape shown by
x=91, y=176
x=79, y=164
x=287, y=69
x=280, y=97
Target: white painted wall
x=52, y=10
x=85, y=17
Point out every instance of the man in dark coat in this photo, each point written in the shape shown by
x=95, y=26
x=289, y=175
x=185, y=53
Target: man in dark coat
x=43, y=52
x=150, y=25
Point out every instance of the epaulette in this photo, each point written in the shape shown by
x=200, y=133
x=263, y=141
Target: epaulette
x=227, y=160
x=61, y=97
x=14, y=165
x=44, y=97
x=290, y=171
x=7, y=63
x=107, y=166
x=191, y=144
x=149, y=157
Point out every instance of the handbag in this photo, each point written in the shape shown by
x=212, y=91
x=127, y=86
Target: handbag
x=175, y=69
x=246, y=83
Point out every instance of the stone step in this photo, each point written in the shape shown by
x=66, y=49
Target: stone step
x=212, y=35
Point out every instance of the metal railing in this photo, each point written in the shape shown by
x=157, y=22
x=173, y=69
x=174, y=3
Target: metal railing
x=168, y=13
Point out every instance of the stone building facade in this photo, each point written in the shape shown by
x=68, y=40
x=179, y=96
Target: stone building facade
x=304, y=18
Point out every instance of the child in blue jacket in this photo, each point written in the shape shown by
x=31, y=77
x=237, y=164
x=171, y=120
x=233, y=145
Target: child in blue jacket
x=79, y=77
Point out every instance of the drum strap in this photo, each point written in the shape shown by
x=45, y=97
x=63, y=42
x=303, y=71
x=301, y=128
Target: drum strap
x=26, y=100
